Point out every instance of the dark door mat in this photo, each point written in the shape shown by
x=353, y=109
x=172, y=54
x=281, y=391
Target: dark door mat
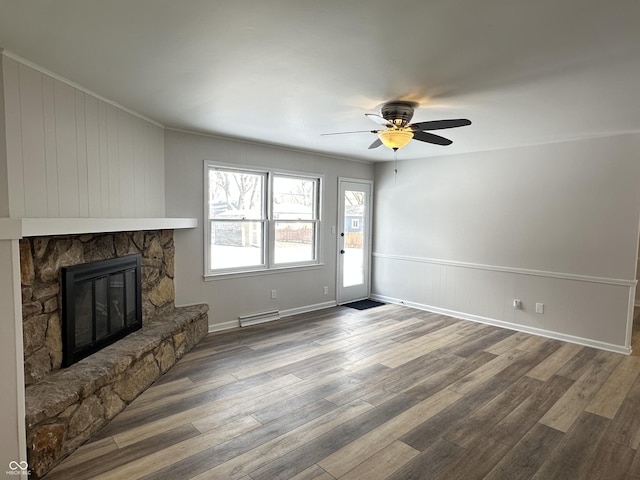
x=363, y=304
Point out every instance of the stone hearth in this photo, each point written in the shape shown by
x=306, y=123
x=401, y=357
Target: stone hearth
x=65, y=407
x=72, y=404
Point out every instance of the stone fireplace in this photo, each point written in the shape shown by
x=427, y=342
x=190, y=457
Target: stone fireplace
x=41, y=261
x=65, y=406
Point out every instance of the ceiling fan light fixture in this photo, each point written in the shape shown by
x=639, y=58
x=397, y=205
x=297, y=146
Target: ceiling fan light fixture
x=395, y=138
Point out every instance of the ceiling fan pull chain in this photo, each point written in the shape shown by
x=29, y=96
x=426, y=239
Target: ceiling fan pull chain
x=395, y=170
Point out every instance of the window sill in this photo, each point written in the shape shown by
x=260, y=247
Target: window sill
x=262, y=271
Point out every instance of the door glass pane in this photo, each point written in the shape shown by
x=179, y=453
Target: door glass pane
x=295, y=242
x=354, y=225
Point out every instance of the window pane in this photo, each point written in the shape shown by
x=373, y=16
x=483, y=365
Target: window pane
x=294, y=198
x=236, y=195
x=295, y=242
x=236, y=244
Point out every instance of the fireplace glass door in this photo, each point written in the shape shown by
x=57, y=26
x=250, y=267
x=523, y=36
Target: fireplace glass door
x=101, y=304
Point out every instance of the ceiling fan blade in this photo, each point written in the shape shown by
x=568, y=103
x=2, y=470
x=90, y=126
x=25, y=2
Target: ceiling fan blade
x=345, y=133
x=376, y=143
x=379, y=120
x=440, y=124
x=431, y=138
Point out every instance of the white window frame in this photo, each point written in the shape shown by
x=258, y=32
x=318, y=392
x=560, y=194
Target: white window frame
x=268, y=264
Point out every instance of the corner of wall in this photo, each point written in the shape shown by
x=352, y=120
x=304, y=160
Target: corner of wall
x=4, y=190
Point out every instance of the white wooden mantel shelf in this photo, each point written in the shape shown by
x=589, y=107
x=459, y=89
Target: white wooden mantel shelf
x=16, y=228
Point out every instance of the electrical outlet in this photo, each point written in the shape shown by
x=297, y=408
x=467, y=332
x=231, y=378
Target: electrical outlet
x=539, y=307
x=517, y=304
x=274, y=293
x=325, y=290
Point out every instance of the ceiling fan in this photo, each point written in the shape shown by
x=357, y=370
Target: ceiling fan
x=396, y=116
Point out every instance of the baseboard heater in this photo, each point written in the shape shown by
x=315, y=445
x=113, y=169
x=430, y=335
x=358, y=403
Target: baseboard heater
x=256, y=318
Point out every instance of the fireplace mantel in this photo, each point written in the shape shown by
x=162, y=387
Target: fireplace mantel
x=16, y=228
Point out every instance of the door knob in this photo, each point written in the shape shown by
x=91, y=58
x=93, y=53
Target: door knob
x=342, y=251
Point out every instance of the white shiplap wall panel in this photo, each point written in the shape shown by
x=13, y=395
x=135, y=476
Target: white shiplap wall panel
x=67, y=149
x=113, y=161
x=93, y=157
x=104, y=158
x=73, y=154
x=155, y=192
x=126, y=169
x=51, y=154
x=140, y=155
x=33, y=151
x=13, y=115
x=81, y=143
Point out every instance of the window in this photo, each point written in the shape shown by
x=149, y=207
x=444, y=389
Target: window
x=260, y=220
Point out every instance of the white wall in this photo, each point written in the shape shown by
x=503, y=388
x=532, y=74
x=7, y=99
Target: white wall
x=637, y=302
x=72, y=154
x=13, y=437
x=555, y=224
x=4, y=191
x=230, y=298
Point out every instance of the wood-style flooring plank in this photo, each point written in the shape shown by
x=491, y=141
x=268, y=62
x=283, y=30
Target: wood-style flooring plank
x=566, y=410
x=312, y=452
x=431, y=463
x=348, y=457
x=625, y=426
x=554, y=362
x=273, y=449
x=486, y=417
x=575, y=449
x=383, y=464
x=528, y=455
x=386, y=393
x=609, y=398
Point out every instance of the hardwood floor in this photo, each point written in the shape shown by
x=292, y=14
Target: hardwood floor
x=385, y=393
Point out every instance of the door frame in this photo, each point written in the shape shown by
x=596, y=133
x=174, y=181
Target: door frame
x=367, y=238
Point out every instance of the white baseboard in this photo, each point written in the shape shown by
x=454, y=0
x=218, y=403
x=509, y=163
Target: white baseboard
x=219, y=327
x=307, y=308
x=511, y=326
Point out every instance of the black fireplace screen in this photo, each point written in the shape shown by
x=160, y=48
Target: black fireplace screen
x=101, y=303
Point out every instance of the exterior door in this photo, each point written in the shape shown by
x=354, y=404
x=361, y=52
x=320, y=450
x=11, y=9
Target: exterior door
x=354, y=240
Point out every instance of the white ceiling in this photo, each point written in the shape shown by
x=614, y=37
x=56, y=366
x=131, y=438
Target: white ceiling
x=284, y=71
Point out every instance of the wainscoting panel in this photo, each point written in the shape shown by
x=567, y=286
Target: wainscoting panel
x=587, y=310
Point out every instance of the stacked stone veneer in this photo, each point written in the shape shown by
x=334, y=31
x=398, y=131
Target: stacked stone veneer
x=64, y=407
x=41, y=259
